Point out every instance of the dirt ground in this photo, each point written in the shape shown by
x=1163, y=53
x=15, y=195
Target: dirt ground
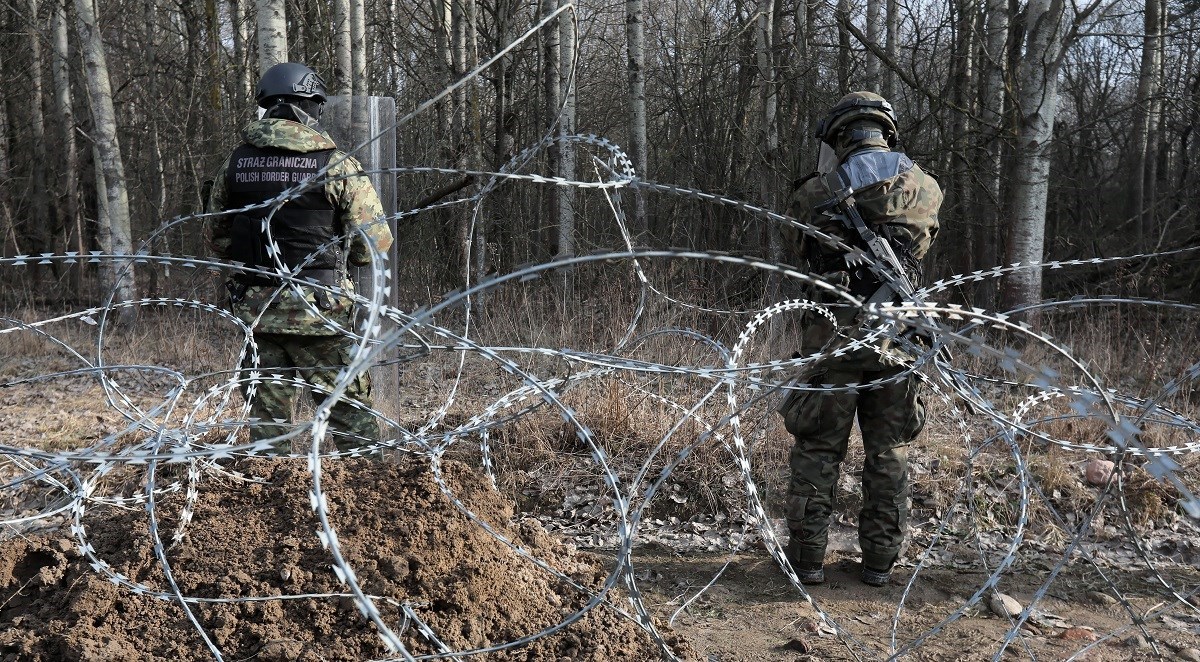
x=753, y=613
x=405, y=540
x=408, y=542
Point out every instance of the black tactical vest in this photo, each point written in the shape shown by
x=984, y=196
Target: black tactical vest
x=304, y=226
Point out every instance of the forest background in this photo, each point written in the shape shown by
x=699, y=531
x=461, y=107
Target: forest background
x=1058, y=129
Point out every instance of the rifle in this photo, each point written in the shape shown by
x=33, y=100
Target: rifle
x=895, y=285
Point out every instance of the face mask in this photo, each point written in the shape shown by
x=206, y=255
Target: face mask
x=290, y=111
x=827, y=160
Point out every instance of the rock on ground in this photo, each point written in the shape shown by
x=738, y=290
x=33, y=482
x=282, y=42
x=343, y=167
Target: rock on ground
x=1004, y=605
x=1097, y=472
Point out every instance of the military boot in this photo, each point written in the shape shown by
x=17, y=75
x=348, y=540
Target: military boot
x=807, y=570
x=872, y=577
x=810, y=573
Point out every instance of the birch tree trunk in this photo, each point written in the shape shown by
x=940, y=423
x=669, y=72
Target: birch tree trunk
x=566, y=127
x=442, y=22
x=358, y=57
x=157, y=193
x=1144, y=123
x=768, y=106
x=479, y=236
x=635, y=42
x=272, y=33
x=872, y=81
x=769, y=185
x=993, y=116
x=459, y=129
x=1037, y=101
x=1157, y=121
x=343, y=70
x=72, y=220
x=114, y=233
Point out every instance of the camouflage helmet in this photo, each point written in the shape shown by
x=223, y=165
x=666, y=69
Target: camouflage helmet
x=289, y=79
x=858, y=106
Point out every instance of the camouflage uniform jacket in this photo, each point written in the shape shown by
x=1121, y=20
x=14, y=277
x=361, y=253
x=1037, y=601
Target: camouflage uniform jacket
x=290, y=310
x=903, y=207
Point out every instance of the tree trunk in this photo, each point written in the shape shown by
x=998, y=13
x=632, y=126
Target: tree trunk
x=768, y=179
x=768, y=104
x=504, y=120
x=804, y=86
x=872, y=81
x=1158, y=121
x=343, y=70
x=843, y=54
x=635, y=40
x=10, y=236
x=115, y=236
x=551, y=100
x=212, y=42
x=39, y=204
x=962, y=173
x=566, y=127
x=892, y=49
x=359, y=111
x=241, y=49
x=1037, y=100
x=474, y=138
x=459, y=130
x=994, y=118
x=1144, y=123
x=72, y=220
x=272, y=33
x=442, y=22
x=157, y=195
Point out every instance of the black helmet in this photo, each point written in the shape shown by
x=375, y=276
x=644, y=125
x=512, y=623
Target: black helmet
x=858, y=105
x=289, y=79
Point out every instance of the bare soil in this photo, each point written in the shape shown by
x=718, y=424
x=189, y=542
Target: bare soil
x=403, y=537
x=753, y=613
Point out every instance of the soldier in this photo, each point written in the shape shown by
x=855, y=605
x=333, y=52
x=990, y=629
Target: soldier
x=300, y=330
x=900, y=203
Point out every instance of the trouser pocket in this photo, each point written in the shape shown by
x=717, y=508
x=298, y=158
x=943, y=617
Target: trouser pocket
x=801, y=412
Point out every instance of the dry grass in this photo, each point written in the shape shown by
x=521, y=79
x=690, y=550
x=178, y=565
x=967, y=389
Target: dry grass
x=70, y=411
x=1132, y=349
x=540, y=458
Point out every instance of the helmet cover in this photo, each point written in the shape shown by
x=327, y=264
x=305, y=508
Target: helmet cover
x=855, y=106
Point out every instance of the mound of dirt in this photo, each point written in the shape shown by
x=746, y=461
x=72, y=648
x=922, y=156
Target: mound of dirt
x=403, y=537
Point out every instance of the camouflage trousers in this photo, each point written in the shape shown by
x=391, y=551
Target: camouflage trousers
x=317, y=360
x=889, y=418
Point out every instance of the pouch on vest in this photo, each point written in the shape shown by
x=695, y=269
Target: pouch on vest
x=247, y=246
